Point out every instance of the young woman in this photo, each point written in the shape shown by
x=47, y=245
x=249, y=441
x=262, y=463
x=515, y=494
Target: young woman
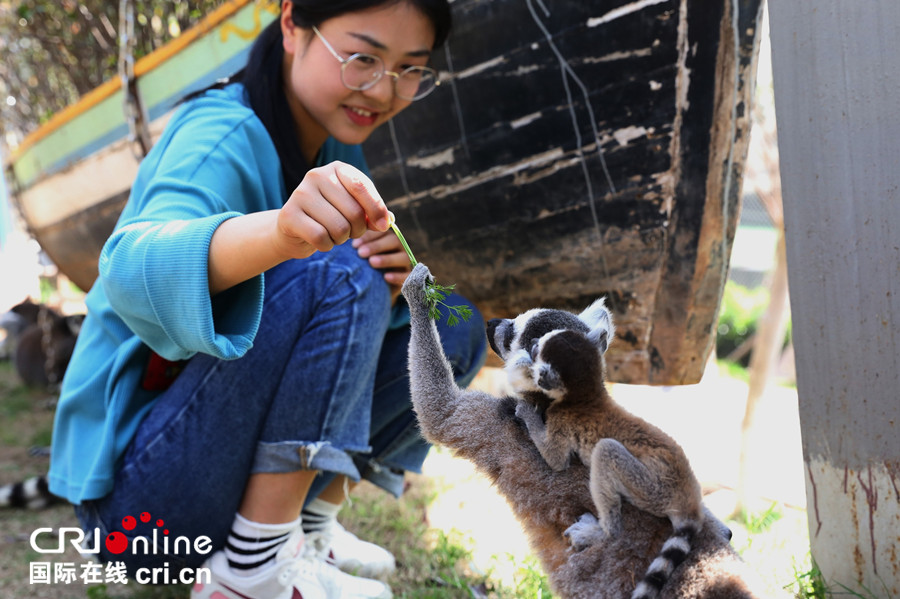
x=243, y=359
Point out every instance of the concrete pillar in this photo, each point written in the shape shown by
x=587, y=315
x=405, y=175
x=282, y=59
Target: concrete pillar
x=837, y=99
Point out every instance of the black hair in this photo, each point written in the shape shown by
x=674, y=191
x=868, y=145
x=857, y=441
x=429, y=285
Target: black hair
x=262, y=75
x=309, y=13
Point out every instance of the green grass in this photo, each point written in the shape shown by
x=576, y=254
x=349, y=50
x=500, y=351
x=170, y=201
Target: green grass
x=103, y=591
x=757, y=523
x=15, y=397
x=433, y=562
x=25, y=420
x=733, y=370
x=810, y=584
x=775, y=543
x=529, y=579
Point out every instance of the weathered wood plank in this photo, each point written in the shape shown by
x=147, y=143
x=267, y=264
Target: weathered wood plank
x=582, y=149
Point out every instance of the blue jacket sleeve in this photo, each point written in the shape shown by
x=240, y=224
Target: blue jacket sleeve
x=153, y=268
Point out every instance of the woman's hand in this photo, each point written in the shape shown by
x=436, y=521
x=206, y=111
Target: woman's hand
x=384, y=252
x=332, y=204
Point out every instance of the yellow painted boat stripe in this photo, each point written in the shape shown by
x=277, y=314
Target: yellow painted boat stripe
x=154, y=59
x=141, y=67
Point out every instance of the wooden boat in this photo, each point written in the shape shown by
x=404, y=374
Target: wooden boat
x=574, y=149
x=71, y=177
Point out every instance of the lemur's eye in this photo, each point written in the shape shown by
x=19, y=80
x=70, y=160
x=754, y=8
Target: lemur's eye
x=509, y=333
x=534, y=350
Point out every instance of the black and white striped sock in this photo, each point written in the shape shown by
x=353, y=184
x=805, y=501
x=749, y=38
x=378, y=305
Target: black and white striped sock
x=318, y=514
x=251, y=546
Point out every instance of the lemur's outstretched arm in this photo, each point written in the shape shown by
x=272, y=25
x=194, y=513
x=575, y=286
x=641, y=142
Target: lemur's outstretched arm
x=465, y=421
x=434, y=391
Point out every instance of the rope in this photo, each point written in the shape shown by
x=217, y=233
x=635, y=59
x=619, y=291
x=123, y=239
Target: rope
x=135, y=115
x=45, y=322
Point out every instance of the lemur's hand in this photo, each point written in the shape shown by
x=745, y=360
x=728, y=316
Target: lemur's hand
x=414, y=286
x=518, y=373
x=530, y=416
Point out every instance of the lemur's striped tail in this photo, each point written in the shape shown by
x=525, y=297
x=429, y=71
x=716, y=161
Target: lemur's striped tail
x=31, y=493
x=673, y=552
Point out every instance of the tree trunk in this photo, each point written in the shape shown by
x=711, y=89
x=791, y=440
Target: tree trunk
x=766, y=350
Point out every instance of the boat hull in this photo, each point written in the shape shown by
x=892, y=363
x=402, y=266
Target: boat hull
x=584, y=149
x=573, y=150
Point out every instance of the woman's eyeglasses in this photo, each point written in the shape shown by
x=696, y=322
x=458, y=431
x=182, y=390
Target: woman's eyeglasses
x=361, y=71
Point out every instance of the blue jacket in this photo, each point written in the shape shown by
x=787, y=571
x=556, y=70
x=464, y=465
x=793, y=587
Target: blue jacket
x=214, y=161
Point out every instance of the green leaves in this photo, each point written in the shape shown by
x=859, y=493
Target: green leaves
x=436, y=294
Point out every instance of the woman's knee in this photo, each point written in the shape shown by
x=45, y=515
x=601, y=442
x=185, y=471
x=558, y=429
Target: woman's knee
x=332, y=280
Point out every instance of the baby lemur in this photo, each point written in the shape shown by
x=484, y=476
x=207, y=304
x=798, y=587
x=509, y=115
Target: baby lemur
x=484, y=429
x=554, y=362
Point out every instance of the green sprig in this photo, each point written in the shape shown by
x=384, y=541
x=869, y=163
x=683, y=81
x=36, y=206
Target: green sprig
x=436, y=294
x=412, y=259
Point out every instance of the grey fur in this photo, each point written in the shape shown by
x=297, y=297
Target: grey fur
x=485, y=430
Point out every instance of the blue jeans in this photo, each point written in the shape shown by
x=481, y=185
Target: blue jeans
x=325, y=387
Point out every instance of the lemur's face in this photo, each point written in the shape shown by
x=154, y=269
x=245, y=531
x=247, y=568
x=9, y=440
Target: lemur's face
x=519, y=342
x=510, y=335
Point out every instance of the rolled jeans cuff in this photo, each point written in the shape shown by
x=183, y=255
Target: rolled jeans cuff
x=388, y=479
x=291, y=456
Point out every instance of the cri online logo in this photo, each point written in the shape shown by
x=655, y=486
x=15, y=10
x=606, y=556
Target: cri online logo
x=117, y=543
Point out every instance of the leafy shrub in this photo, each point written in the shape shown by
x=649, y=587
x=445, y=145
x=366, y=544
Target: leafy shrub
x=739, y=312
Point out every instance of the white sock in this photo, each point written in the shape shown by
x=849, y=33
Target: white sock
x=251, y=546
x=318, y=514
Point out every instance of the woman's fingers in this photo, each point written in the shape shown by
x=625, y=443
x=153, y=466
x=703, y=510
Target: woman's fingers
x=385, y=253
x=331, y=205
x=363, y=191
x=373, y=243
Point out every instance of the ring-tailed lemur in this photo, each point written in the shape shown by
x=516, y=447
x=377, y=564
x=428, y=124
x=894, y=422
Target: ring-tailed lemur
x=31, y=493
x=40, y=341
x=555, y=364
x=485, y=430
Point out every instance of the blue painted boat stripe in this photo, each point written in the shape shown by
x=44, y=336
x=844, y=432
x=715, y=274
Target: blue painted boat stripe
x=120, y=133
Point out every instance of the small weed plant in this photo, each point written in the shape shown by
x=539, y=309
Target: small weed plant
x=436, y=294
x=758, y=523
x=809, y=584
x=530, y=581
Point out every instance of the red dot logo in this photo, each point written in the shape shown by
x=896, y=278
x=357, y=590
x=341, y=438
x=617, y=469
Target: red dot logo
x=116, y=542
x=145, y=516
x=128, y=522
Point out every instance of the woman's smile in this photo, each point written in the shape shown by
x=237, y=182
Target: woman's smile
x=361, y=116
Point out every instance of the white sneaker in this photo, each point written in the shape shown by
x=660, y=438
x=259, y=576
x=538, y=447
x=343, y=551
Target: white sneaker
x=351, y=554
x=298, y=573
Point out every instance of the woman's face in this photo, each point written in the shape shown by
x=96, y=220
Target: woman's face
x=398, y=33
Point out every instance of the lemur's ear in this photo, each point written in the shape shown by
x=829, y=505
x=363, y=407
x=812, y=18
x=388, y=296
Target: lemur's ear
x=599, y=320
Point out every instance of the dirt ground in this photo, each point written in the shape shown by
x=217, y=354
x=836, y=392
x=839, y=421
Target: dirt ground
x=704, y=418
